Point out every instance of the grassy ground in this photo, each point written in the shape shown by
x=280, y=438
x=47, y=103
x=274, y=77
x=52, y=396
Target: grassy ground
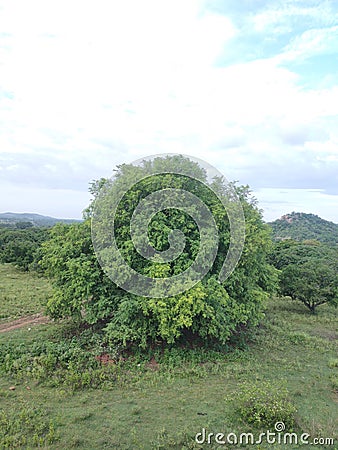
x=163, y=406
x=21, y=293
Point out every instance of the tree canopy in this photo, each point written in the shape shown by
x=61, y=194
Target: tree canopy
x=19, y=246
x=308, y=271
x=314, y=282
x=210, y=309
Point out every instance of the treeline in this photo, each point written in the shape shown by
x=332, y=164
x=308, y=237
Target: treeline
x=308, y=269
x=21, y=245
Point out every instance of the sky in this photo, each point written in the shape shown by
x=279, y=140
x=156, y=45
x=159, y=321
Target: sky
x=249, y=86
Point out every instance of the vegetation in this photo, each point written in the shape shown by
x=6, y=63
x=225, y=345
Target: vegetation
x=120, y=371
x=21, y=293
x=289, y=252
x=308, y=271
x=163, y=397
x=26, y=220
x=302, y=226
x=25, y=427
x=263, y=404
x=208, y=311
x=19, y=246
x=314, y=283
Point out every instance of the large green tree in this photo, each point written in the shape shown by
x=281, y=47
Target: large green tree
x=308, y=271
x=210, y=310
x=314, y=282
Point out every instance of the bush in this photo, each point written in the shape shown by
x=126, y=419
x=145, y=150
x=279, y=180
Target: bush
x=26, y=427
x=263, y=404
x=47, y=360
x=82, y=361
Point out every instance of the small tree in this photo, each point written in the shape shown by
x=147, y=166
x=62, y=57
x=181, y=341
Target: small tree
x=313, y=282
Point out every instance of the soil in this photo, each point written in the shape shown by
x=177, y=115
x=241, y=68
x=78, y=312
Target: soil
x=23, y=322
x=153, y=364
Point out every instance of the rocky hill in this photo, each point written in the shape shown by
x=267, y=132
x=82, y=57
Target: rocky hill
x=301, y=226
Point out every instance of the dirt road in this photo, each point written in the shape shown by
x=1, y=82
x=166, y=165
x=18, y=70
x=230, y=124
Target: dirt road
x=32, y=320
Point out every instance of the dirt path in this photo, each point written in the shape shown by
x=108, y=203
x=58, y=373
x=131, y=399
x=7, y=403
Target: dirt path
x=23, y=321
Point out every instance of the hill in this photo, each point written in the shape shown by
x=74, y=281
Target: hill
x=38, y=220
x=302, y=226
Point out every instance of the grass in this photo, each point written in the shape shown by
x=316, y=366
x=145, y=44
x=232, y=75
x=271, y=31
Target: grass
x=21, y=293
x=164, y=406
x=25, y=426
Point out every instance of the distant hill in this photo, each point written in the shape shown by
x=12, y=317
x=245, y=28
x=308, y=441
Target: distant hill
x=302, y=226
x=37, y=220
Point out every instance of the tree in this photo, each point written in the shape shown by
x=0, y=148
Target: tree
x=308, y=271
x=19, y=246
x=210, y=310
x=288, y=252
x=23, y=225
x=313, y=282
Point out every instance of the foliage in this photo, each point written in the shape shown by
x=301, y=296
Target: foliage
x=19, y=246
x=26, y=427
x=308, y=271
x=289, y=251
x=80, y=286
x=209, y=310
x=23, y=225
x=67, y=362
x=184, y=389
x=264, y=404
x=301, y=226
x=24, y=220
x=313, y=282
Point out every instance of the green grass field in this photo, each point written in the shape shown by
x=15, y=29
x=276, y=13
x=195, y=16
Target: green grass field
x=21, y=293
x=164, y=405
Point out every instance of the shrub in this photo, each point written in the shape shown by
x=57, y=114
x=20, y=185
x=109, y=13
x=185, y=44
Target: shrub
x=263, y=404
x=26, y=427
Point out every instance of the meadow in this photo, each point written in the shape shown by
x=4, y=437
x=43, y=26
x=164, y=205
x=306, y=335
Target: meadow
x=21, y=293
x=162, y=398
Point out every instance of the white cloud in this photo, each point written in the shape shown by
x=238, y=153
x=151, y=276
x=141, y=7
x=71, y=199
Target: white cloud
x=44, y=201
x=277, y=202
x=282, y=17
x=313, y=42
x=95, y=84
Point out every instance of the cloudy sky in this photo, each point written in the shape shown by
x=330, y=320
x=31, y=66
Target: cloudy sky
x=250, y=86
